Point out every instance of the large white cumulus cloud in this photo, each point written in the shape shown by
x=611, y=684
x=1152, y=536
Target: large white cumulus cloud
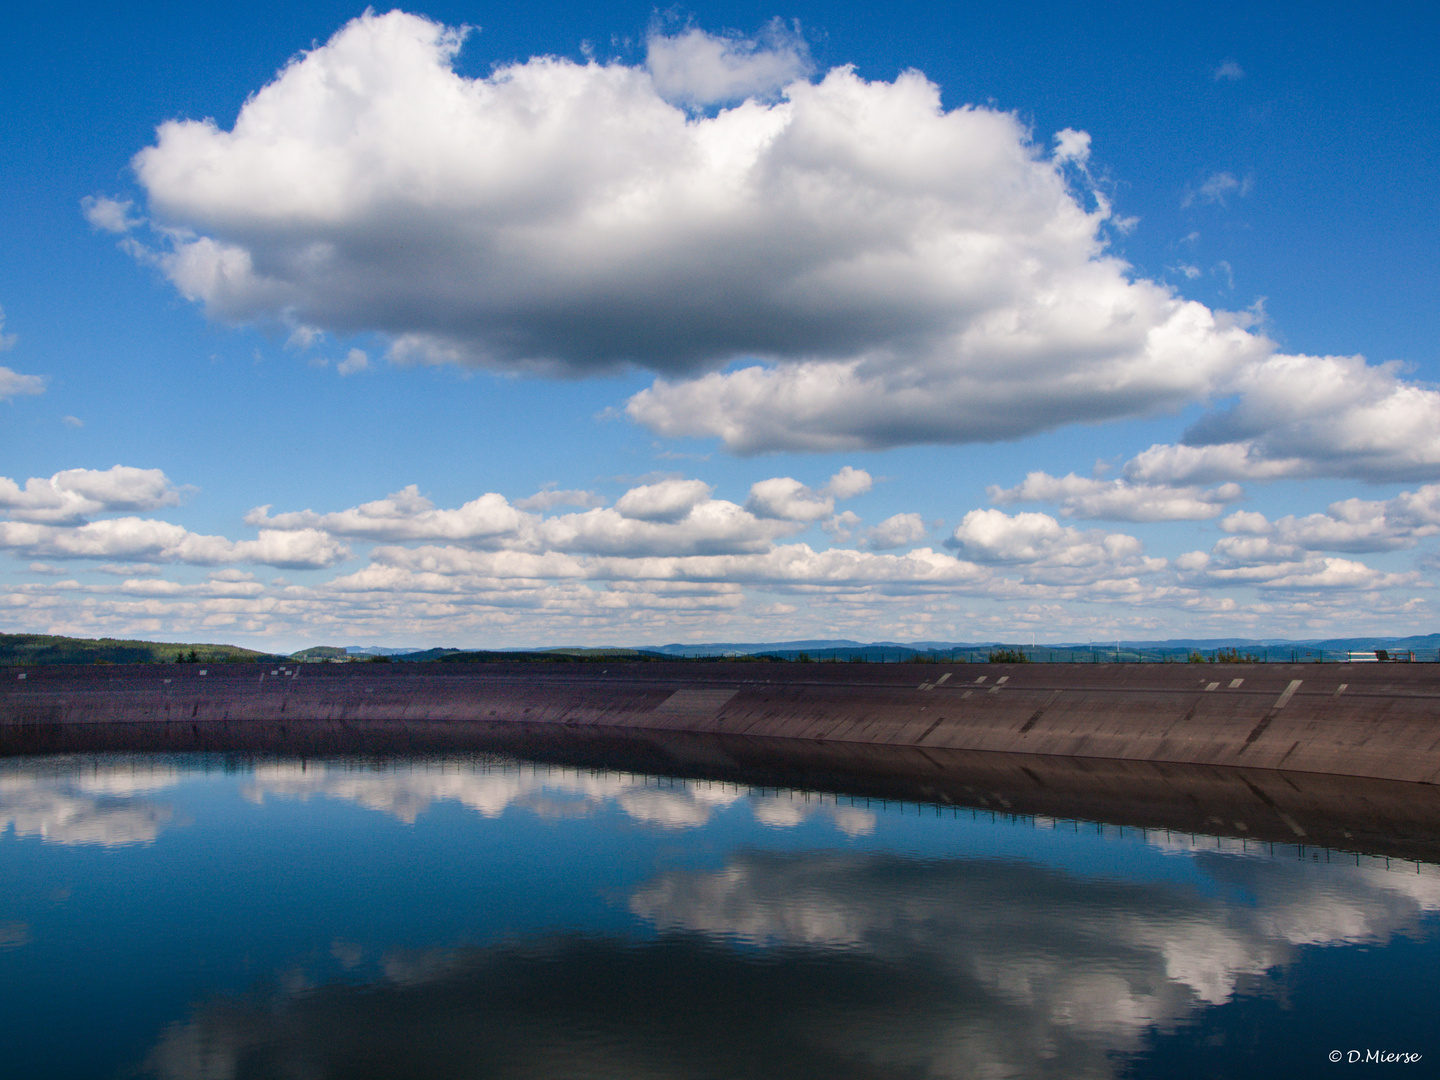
x=892, y=271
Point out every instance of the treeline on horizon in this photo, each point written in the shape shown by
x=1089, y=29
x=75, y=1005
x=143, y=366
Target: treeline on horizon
x=20, y=649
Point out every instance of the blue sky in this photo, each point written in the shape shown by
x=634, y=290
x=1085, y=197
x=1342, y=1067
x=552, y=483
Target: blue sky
x=592, y=324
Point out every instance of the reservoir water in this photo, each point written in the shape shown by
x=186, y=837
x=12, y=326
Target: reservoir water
x=208, y=916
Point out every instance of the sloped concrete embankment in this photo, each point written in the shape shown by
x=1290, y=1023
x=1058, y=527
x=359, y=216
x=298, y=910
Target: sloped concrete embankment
x=1366, y=720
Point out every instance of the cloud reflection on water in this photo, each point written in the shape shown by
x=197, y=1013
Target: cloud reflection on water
x=828, y=963
x=106, y=804
x=491, y=788
x=1043, y=935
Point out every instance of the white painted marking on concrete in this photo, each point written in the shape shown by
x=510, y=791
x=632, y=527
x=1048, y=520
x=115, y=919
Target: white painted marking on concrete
x=21, y=675
x=925, y=686
x=979, y=680
x=943, y=678
x=966, y=694
x=1235, y=683
x=1213, y=686
x=1287, y=694
x=1002, y=679
x=202, y=671
x=1342, y=688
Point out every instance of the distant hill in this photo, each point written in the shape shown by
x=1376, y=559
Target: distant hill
x=16, y=649
x=741, y=648
x=1425, y=647
x=569, y=654
x=320, y=652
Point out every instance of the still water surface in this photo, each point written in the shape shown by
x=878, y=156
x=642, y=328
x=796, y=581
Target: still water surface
x=187, y=917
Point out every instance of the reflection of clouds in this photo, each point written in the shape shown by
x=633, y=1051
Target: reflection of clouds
x=493, y=787
x=127, y=778
x=1103, y=959
x=1334, y=903
x=727, y=902
x=788, y=810
x=13, y=934
x=687, y=808
x=856, y=963
x=1308, y=904
x=347, y=953
x=1041, y=949
x=678, y=1007
x=64, y=802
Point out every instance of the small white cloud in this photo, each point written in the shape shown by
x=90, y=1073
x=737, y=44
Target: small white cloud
x=302, y=337
x=46, y=568
x=128, y=570
x=13, y=384
x=848, y=483
x=697, y=69
x=72, y=421
x=1119, y=500
x=668, y=501
x=1217, y=188
x=404, y=515
x=1246, y=521
x=7, y=341
x=1352, y=525
x=787, y=499
x=1072, y=145
x=231, y=575
x=842, y=526
x=354, y=361
x=901, y=530
x=1265, y=563
x=1229, y=71
x=109, y=215
x=1042, y=547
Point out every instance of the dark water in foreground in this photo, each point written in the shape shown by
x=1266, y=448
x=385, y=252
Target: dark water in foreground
x=208, y=917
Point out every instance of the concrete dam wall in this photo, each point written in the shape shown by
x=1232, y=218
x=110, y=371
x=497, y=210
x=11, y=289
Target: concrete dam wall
x=1365, y=720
